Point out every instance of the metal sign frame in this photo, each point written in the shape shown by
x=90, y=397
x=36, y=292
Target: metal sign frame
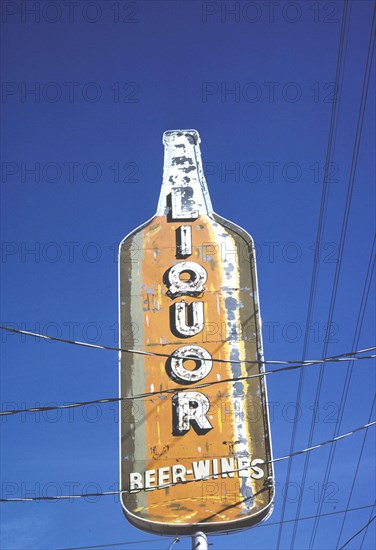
x=192, y=458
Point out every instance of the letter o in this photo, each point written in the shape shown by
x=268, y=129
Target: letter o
x=55, y=16
x=180, y=374
x=88, y=96
x=258, y=172
x=295, y=17
x=296, y=88
x=258, y=12
x=257, y=96
x=96, y=12
x=286, y=171
x=46, y=172
x=56, y=91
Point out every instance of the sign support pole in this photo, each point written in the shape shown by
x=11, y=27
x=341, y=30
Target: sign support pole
x=199, y=541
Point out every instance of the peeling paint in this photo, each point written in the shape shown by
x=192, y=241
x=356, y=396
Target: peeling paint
x=229, y=294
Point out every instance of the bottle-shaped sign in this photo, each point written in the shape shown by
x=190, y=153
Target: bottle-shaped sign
x=195, y=439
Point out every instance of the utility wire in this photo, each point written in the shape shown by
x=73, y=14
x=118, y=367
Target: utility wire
x=177, y=539
x=366, y=529
x=340, y=257
x=262, y=524
x=346, y=386
x=173, y=390
x=296, y=453
x=166, y=485
x=340, y=357
x=108, y=545
x=355, y=474
x=315, y=269
x=345, y=220
x=357, y=533
x=312, y=517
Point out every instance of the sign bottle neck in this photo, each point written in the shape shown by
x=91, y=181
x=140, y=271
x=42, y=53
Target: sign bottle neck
x=183, y=176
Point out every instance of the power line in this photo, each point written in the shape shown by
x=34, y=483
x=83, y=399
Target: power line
x=263, y=524
x=108, y=545
x=305, y=518
x=313, y=517
x=166, y=485
x=366, y=529
x=357, y=533
x=345, y=220
x=340, y=357
x=356, y=473
x=315, y=268
x=346, y=386
x=177, y=539
x=324, y=442
x=173, y=390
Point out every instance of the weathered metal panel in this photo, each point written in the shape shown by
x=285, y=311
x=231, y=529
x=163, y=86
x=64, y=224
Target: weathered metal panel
x=194, y=458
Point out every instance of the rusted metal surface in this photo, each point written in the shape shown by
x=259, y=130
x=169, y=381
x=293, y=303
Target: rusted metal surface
x=188, y=289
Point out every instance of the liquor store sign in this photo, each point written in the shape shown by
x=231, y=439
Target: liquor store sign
x=192, y=457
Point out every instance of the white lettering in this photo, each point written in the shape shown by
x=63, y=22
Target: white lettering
x=258, y=472
x=181, y=204
x=227, y=467
x=243, y=465
x=183, y=241
x=188, y=319
x=201, y=469
x=178, y=473
x=163, y=475
x=149, y=480
x=135, y=482
x=190, y=408
x=179, y=373
x=194, y=285
x=215, y=468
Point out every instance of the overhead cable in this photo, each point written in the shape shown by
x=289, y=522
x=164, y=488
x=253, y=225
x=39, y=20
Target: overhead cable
x=319, y=234
x=366, y=527
x=342, y=242
x=349, y=372
x=358, y=532
x=355, y=474
x=340, y=357
x=173, y=390
x=205, y=477
x=261, y=524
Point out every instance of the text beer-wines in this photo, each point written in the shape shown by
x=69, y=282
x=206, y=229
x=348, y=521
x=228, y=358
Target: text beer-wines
x=191, y=457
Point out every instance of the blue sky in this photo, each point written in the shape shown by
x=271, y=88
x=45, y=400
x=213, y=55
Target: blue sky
x=82, y=160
